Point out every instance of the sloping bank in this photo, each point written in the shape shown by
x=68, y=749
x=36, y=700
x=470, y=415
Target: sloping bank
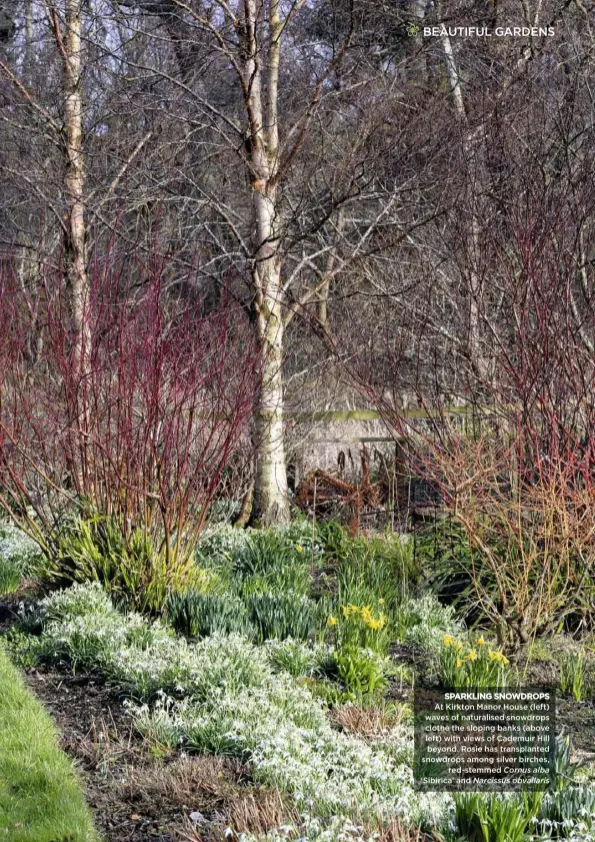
x=224, y=695
x=40, y=796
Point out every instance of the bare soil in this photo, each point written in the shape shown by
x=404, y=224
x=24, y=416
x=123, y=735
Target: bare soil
x=126, y=783
x=136, y=790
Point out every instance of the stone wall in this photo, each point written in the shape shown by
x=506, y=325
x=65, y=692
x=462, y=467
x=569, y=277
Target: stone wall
x=335, y=445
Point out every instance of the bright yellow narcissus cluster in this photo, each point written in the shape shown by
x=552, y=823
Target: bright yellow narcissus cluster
x=362, y=613
x=499, y=657
x=365, y=614
x=472, y=655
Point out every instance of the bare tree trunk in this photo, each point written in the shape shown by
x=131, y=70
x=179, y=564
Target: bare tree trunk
x=470, y=148
x=324, y=292
x=68, y=41
x=69, y=45
x=271, y=502
x=28, y=32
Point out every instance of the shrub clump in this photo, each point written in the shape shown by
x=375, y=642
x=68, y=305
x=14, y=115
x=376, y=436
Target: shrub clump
x=424, y=622
x=129, y=564
x=298, y=658
x=18, y=549
x=476, y=666
x=20, y=557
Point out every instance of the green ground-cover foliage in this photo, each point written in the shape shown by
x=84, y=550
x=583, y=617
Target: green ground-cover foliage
x=565, y=811
x=273, y=629
x=227, y=695
x=20, y=557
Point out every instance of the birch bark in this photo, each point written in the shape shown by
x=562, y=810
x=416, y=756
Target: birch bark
x=69, y=45
x=271, y=502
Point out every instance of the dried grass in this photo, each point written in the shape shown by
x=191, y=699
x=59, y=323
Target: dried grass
x=255, y=811
x=394, y=830
x=367, y=721
x=188, y=781
x=104, y=746
x=260, y=811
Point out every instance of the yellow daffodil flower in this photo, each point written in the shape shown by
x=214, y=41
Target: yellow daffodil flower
x=480, y=641
x=472, y=655
x=499, y=657
x=448, y=640
x=332, y=621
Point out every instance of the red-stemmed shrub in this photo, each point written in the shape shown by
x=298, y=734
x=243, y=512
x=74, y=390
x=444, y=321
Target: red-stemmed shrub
x=136, y=439
x=505, y=434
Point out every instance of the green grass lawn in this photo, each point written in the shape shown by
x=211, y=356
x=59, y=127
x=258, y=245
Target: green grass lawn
x=40, y=796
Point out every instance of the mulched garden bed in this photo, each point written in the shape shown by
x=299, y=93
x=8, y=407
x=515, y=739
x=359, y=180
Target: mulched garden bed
x=137, y=791
x=97, y=733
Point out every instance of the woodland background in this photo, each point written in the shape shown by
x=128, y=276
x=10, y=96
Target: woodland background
x=372, y=218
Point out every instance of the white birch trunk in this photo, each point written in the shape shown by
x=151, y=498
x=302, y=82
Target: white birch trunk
x=76, y=267
x=68, y=41
x=271, y=502
x=470, y=148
